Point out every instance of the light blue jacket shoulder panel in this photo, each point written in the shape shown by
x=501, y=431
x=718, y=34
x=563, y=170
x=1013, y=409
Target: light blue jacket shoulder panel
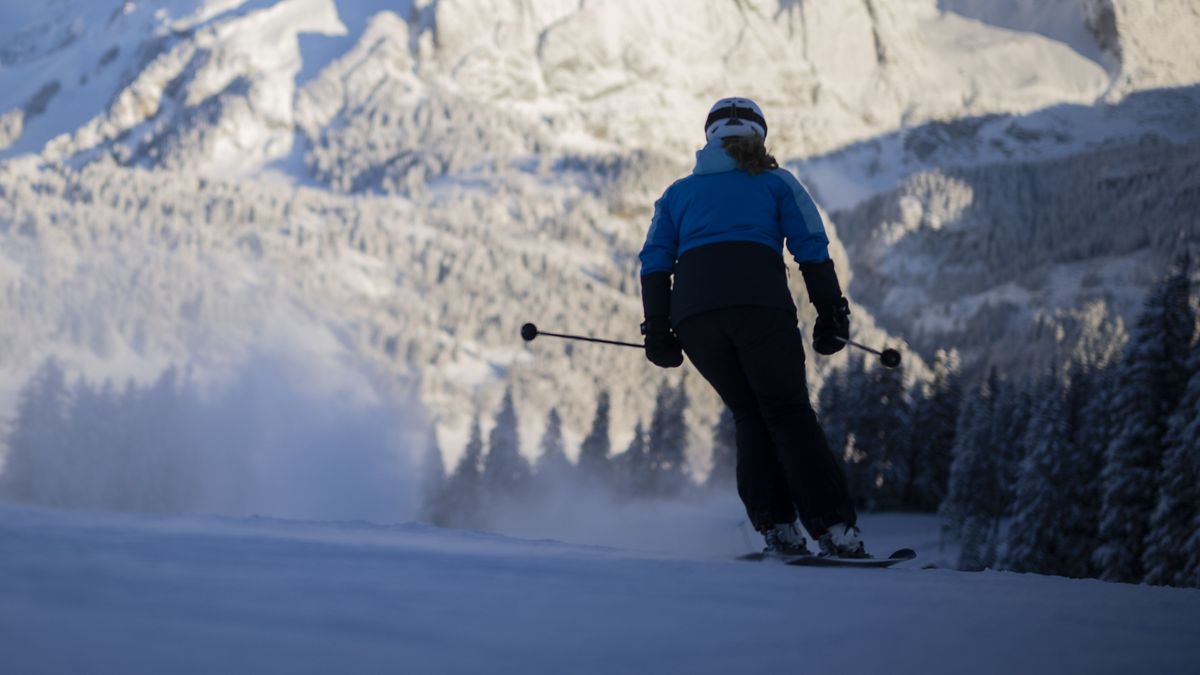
x=720, y=203
x=802, y=223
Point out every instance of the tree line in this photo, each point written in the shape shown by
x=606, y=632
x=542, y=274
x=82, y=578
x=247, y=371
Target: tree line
x=257, y=444
x=653, y=465
x=131, y=448
x=1091, y=469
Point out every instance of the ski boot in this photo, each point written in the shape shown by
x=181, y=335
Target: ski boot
x=842, y=541
x=785, y=539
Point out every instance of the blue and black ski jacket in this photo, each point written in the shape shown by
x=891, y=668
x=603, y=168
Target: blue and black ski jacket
x=721, y=233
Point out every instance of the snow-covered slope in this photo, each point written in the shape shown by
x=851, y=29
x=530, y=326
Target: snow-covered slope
x=1010, y=262
x=403, y=184
x=853, y=174
x=108, y=594
x=213, y=85
x=1143, y=44
x=1006, y=236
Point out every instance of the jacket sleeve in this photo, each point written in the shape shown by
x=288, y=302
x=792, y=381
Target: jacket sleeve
x=807, y=242
x=802, y=224
x=662, y=241
x=658, y=261
x=656, y=295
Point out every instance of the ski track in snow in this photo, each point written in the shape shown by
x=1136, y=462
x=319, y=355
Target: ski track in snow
x=122, y=594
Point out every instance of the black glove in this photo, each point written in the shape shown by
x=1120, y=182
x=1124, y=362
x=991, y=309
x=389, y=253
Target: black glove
x=833, y=322
x=833, y=312
x=662, y=347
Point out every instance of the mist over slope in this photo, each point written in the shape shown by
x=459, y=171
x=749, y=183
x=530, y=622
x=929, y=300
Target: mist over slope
x=404, y=184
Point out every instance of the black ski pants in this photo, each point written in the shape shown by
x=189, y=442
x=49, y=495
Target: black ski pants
x=754, y=358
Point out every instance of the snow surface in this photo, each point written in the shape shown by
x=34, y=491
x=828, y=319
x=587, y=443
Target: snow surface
x=122, y=594
x=1061, y=20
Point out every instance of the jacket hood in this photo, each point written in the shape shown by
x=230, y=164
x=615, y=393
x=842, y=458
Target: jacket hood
x=712, y=158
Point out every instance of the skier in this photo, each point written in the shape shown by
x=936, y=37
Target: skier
x=720, y=233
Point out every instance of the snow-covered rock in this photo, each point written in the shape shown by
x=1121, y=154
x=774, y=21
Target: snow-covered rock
x=212, y=85
x=1154, y=42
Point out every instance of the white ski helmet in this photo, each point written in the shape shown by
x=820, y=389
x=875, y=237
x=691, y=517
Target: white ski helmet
x=735, y=117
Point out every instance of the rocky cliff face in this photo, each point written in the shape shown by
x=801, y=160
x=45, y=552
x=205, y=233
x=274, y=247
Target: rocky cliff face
x=223, y=85
x=1153, y=43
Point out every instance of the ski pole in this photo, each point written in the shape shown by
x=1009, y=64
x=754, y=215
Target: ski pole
x=530, y=331
x=890, y=358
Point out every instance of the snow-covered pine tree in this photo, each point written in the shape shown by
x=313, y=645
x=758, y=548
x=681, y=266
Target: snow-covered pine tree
x=931, y=441
x=1092, y=386
x=164, y=477
x=463, y=493
x=1011, y=406
x=664, y=471
x=883, y=432
x=844, y=408
x=1172, y=555
x=975, y=493
x=1080, y=478
x=1037, y=541
x=433, y=482
x=595, y=466
x=33, y=437
x=553, y=467
x=628, y=468
x=835, y=404
x=724, y=454
x=506, y=472
x=117, y=433
x=866, y=416
x=1150, y=383
x=916, y=438
x=92, y=473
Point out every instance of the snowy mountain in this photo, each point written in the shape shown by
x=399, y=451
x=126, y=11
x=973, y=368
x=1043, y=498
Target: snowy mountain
x=190, y=83
x=388, y=190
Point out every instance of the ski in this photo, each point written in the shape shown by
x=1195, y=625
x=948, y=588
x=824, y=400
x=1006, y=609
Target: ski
x=812, y=560
x=764, y=555
x=830, y=561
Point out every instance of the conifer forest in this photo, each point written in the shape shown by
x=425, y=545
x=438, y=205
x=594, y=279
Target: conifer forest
x=1089, y=469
